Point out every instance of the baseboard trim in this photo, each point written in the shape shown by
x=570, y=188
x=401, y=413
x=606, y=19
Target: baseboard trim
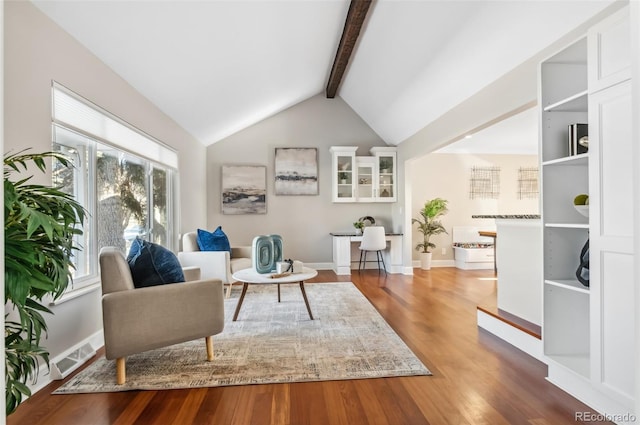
x=584, y=390
x=435, y=263
x=320, y=266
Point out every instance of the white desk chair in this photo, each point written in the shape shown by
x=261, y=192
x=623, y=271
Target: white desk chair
x=373, y=239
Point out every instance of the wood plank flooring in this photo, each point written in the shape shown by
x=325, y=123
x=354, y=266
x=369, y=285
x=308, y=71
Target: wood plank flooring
x=477, y=378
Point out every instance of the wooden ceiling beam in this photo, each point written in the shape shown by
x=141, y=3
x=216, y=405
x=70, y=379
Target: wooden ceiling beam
x=355, y=19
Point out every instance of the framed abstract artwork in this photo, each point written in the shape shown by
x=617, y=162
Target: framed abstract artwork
x=244, y=189
x=296, y=171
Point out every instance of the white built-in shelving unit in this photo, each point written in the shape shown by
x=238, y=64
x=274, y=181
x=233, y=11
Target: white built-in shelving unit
x=588, y=331
x=564, y=101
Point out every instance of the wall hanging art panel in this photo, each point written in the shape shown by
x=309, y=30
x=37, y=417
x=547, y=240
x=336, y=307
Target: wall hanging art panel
x=296, y=171
x=244, y=189
x=484, y=183
x=528, y=183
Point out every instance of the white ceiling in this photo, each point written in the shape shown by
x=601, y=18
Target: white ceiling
x=217, y=66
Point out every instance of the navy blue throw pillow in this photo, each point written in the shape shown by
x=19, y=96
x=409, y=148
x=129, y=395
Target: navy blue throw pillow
x=152, y=264
x=213, y=241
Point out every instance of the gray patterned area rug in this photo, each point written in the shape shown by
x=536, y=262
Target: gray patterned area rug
x=271, y=342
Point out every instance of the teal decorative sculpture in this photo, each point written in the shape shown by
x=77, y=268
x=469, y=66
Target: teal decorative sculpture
x=267, y=251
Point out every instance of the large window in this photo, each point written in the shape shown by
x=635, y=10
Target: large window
x=124, y=178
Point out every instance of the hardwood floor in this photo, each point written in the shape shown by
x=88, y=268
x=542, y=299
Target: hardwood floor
x=477, y=378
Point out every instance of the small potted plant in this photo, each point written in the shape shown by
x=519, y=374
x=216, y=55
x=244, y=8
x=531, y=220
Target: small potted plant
x=343, y=177
x=385, y=165
x=430, y=225
x=359, y=225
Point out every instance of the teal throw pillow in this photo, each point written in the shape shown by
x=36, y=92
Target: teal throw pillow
x=213, y=241
x=152, y=264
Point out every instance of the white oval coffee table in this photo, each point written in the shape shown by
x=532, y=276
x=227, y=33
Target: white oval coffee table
x=251, y=277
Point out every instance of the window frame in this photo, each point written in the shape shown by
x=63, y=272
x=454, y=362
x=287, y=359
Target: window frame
x=161, y=157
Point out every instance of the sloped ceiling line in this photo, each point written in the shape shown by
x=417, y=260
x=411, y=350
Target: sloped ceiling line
x=355, y=18
x=217, y=67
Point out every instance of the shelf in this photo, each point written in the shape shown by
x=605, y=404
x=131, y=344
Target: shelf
x=578, y=363
x=581, y=160
x=574, y=103
x=568, y=225
x=569, y=284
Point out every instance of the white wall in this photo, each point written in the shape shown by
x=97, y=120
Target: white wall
x=635, y=78
x=447, y=176
x=37, y=51
x=304, y=222
x=512, y=93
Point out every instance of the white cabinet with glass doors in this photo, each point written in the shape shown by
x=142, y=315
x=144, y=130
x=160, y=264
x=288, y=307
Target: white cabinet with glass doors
x=363, y=178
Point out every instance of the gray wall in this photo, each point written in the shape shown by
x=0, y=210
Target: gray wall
x=304, y=222
x=37, y=51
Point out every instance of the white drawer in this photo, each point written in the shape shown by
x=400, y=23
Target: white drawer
x=473, y=255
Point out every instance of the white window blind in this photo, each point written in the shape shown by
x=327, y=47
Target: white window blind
x=74, y=112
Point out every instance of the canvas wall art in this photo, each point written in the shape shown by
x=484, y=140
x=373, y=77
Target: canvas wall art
x=244, y=189
x=296, y=171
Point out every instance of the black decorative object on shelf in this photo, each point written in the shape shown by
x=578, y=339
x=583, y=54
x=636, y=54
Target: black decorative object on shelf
x=583, y=269
x=578, y=139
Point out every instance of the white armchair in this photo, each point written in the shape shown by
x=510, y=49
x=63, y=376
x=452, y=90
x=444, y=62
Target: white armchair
x=214, y=264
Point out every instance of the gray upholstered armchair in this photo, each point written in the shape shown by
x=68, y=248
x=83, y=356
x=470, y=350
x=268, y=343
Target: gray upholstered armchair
x=214, y=264
x=137, y=320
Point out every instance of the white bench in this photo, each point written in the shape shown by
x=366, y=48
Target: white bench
x=470, y=250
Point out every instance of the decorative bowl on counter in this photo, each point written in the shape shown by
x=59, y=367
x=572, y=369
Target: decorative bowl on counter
x=368, y=220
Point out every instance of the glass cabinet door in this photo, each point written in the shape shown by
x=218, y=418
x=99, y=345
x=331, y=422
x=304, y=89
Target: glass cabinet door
x=386, y=183
x=345, y=177
x=365, y=185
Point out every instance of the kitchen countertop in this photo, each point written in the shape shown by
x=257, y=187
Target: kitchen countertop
x=510, y=216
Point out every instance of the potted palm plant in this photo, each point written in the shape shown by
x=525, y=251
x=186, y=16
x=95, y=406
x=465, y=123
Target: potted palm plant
x=429, y=225
x=40, y=223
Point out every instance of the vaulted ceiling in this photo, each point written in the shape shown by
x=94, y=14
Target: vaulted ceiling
x=217, y=67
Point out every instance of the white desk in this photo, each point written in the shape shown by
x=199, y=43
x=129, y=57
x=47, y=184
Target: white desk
x=344, y=249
